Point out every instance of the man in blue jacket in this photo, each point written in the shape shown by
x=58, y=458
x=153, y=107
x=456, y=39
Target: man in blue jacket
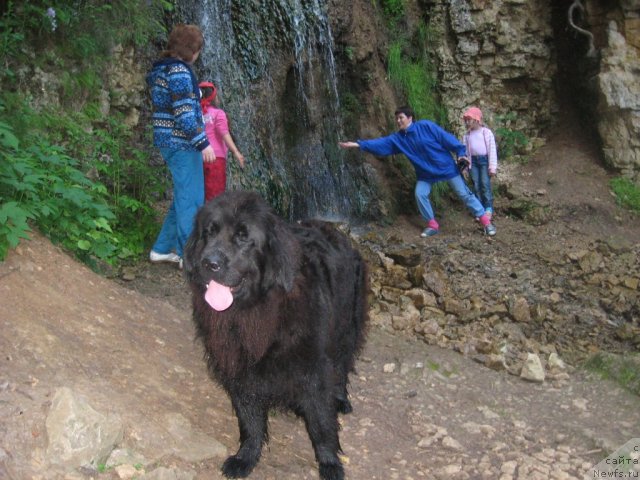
x=429, y=148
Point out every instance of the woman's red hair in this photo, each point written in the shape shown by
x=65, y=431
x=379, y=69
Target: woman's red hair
x=184, y=42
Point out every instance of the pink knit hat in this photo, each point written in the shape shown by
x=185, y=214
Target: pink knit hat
x=474, y=113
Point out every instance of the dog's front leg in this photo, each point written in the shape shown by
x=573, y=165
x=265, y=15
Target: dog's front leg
x=252, y=422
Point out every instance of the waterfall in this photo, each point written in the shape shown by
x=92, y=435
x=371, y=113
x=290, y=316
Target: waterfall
x=273, y=64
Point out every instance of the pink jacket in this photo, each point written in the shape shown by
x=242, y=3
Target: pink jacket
x=217, y=126
x=492, y=151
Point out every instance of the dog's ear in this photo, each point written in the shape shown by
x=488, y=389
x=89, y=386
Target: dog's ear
x=282, y=256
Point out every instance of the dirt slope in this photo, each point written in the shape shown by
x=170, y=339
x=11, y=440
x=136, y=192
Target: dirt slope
x=419, y=411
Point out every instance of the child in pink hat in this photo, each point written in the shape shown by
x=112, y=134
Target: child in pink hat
x=482, y=152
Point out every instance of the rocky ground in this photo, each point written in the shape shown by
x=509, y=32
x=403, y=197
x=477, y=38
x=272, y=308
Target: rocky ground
x=472, y=368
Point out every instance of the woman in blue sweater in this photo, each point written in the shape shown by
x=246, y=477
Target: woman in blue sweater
x=428, y=147
x=178, y=131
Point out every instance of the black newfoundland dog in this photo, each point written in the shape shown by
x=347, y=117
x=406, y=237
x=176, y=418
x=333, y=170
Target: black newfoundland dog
x=281, y=310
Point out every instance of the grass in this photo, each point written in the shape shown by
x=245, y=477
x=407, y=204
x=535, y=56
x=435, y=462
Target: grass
x=622, y=369
x=436, y=367
x=413, y=74
x=627, y=193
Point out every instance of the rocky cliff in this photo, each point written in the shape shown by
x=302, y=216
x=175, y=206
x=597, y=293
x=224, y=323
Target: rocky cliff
x=295, y=81
x=520, y=62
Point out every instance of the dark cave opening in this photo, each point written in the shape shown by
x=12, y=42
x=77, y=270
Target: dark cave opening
x=578, y=61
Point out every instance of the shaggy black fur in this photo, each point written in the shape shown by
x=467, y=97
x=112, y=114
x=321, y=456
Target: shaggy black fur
x=290, y=337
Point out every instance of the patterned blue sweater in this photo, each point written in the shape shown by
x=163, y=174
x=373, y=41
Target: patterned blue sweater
x=177, y=116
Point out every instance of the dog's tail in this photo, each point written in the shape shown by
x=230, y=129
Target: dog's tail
x=361, y=305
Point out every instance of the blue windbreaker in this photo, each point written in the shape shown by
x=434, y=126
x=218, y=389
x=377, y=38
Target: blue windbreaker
x=427, y=146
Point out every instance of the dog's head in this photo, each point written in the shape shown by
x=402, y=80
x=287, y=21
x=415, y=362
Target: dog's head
x=239, y=249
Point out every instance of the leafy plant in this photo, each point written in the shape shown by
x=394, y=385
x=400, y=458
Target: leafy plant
x=82, y=181
x=350, y=107
x=349, y=53
x=627, y=193
x=41, y=183
x=109, y=218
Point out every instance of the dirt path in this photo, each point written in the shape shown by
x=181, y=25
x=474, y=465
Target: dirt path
x=419, y=411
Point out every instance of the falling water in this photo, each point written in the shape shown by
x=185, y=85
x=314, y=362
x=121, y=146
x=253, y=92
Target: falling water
x=273, y=64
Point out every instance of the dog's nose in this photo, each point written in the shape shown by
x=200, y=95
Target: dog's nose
x=213, y=263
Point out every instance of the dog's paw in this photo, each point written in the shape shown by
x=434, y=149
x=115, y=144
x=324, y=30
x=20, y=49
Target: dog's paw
x=235, y=467
x=331, y=471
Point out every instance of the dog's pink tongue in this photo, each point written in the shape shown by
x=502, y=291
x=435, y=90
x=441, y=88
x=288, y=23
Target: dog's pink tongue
x=218, y=296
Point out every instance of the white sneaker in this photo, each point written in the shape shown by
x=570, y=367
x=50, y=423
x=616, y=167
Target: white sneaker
x=170, y=257
x=490, y=230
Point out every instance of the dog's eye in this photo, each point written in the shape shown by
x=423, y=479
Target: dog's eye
x=212, y=230
x=242, y=234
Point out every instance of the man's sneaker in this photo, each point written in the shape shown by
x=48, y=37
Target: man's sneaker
x=170, y=257
x=181, y=264
x=429, y=232
x=490, y=230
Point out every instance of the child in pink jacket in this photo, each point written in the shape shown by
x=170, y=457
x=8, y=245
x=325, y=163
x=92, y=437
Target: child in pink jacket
x=482, y=152
x=217, y=129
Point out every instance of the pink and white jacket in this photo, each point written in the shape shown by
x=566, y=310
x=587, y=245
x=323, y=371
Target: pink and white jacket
x=216, y=126
x=490, y=143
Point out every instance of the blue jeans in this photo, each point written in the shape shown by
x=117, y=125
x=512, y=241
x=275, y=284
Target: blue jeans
x=423, y=189
x=188, y=197
x=481, y=181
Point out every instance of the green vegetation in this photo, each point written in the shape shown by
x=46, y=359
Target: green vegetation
x=623, y=369
x=510, y=142
x=66, y=168
x=77, y=30
x=412, y=73
x=348, y=51
x=627, y=193
x=436, y=367
x=393, y=10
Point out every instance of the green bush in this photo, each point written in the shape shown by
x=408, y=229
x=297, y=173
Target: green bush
x=627, y=193
x=82, y=180
x=43, y=184
x=109, y=217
